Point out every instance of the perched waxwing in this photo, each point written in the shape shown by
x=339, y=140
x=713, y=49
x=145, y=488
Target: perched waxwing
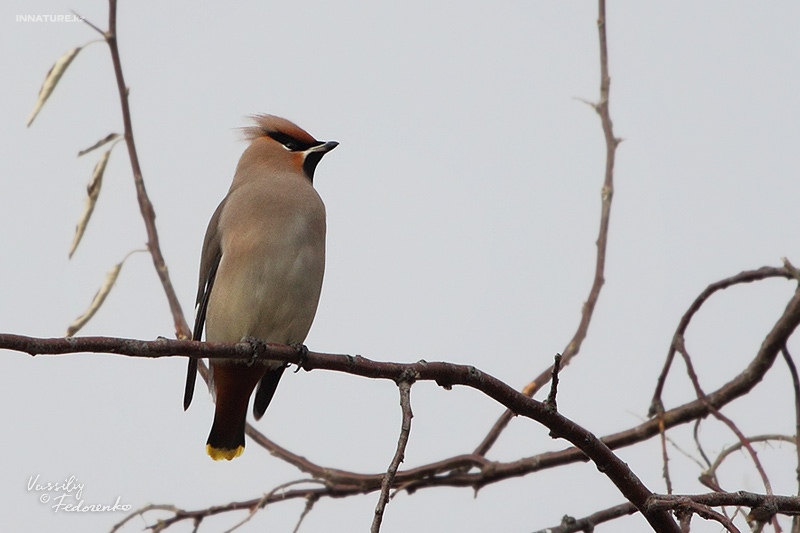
x=260, y=271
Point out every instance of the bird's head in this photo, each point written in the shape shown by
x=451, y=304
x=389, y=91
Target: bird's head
x=283, y=142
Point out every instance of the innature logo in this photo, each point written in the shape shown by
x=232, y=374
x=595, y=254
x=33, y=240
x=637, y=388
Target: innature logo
x=49, y=18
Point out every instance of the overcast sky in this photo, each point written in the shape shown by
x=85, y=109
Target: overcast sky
x=463, y=205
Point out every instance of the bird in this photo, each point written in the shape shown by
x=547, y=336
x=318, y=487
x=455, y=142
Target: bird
x=261, y=271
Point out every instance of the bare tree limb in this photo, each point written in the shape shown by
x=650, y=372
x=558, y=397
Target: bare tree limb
x=691, y=411
x=444, y=374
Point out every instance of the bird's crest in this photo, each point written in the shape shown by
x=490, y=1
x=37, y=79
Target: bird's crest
x=285, y=132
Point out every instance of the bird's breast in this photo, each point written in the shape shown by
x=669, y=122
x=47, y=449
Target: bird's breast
x=270, y=275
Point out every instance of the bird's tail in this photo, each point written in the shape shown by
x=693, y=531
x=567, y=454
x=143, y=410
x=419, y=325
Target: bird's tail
x=233, y=384
x=226, y=440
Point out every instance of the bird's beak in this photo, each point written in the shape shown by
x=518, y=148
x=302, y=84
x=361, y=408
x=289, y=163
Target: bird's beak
x=323, y=148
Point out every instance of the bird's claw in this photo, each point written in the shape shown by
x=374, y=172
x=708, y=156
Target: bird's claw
x=302, y=353
x=258, y=345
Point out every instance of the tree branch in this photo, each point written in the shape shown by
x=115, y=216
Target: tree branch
x=428, y=475
x=444, y=374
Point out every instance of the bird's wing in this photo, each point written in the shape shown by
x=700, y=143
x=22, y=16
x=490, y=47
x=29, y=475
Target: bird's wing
x=209, y=262
x=266, y=390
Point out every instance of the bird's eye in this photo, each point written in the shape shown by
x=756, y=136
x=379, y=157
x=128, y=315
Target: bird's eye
x=291, y=145
x=288, y=142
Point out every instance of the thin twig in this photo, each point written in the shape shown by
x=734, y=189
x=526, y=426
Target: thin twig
x=607, y=193
x=257, y=507
x=265, y=500
x=402, y=441
x=182, y=330
x=550, y=402
x=696, y=435
x=796, y=387
x=310, y=501
x=662, y=429
x=791, y=268
x=683, y=452
x=681, y=347
x=709, y=476
x=788, y=505
x=572, y=525
x=708, y=513
x=85, y=21
x=140, y=512
x=748, y=276
x=253, y=506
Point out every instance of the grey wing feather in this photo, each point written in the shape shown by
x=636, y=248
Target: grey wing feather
x=209, y=262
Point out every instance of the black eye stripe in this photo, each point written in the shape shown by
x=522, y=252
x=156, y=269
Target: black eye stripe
x=290, y=142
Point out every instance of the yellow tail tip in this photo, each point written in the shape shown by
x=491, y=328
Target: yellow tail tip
x=222, y=453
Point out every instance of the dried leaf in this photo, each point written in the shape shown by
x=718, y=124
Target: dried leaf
x=93, y=190
x=107, y=139
x=98, y=300
x=51, y=80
